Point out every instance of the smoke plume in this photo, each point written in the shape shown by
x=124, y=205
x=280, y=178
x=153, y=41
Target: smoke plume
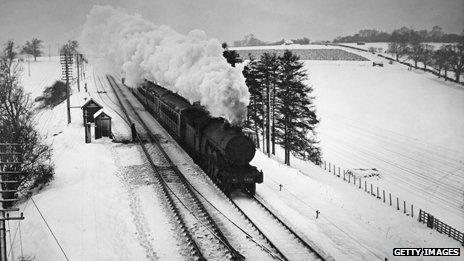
x=191, y=65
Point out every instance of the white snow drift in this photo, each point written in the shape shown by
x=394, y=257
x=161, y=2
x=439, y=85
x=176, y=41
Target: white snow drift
x=191, y=65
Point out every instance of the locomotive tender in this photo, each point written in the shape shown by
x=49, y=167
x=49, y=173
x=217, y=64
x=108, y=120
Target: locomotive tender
x=222, y=151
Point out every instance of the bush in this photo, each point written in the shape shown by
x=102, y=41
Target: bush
x=53, y=95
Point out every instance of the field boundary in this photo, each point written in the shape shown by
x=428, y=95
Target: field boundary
x=435, y=223
x=380, y=194
x=410, y=65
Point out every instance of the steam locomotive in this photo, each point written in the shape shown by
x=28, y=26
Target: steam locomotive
x=222, y=151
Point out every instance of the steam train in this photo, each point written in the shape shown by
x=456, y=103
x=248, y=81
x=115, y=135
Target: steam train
x=222, y=151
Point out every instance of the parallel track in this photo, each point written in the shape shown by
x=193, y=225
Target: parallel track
x=279, y=249
x=279, y=235
x=207, y=240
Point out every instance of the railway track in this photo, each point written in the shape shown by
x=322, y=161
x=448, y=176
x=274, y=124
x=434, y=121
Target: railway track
x=278, y=240
x=204, y=236
x=289, y=244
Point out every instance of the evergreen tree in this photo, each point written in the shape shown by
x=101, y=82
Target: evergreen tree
x=295, y=126
x=267, y=72
x=255, y=113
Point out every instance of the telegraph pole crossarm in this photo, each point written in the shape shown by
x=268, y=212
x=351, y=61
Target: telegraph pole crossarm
x=10, y=166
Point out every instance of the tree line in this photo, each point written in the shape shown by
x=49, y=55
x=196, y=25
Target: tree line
x=281, y=109
x=251, y=40
x=411, y=44
x=436, y=35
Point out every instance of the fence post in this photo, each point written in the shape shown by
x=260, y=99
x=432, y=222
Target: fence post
x=335, y=173
x=412, y=211
x=365, y=185
x=329, y=167
x=404, y=206
x=390, y=198
x=397, y=203
x=384, y=196
x=360, y=182
x=377, y=192
x=349, y=178
x=343, y=174
x=324, y=165
x=420, y=215
x=371, y=189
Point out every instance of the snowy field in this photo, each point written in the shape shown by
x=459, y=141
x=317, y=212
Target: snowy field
x=407, y=124
x=384, y=46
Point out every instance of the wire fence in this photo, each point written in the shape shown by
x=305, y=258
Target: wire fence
x=386, y=197
x=363, y=184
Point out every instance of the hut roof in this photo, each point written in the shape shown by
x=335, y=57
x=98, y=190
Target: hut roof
x=100, y=113
x=89, y=102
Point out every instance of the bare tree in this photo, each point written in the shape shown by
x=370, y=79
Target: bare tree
x=16, y=119
x=399, y=42
x=33, y=48
x=457, y=58
x=441, y=59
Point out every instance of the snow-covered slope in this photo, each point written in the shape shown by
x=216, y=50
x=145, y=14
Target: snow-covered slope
x=407, y=124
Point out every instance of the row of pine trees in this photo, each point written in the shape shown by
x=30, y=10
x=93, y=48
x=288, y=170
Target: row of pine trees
x=281, y=110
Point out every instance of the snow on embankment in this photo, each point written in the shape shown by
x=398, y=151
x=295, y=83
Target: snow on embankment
x=191, y=65
x=329, y=54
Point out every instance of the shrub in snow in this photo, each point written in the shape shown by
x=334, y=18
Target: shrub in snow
x=53, y=95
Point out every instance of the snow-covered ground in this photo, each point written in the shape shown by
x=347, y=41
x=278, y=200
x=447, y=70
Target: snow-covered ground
x=351, y=225
x=101, y=204
x=407, y=124
x=384, y=45
x=283, y=46
x=381, y=48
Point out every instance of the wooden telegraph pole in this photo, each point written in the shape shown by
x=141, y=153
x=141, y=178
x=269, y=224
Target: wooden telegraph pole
x=66, y=74
x=78, y=75
x=10, y=165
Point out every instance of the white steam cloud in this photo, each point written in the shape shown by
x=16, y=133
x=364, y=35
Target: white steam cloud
x=190, y=65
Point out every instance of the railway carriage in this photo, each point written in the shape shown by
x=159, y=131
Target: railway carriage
x=223, y=151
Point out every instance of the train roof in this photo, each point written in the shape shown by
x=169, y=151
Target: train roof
x=156, y=89
x=175, y=101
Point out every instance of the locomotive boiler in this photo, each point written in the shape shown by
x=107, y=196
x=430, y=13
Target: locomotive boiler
x=223, y=151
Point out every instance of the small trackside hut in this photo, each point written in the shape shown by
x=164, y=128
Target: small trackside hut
x=89, y=109
x=102, y=124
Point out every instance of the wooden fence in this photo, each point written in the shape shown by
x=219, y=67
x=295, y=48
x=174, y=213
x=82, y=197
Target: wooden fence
x=435, y=223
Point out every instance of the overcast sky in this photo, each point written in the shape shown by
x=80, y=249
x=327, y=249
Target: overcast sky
x=58, y=20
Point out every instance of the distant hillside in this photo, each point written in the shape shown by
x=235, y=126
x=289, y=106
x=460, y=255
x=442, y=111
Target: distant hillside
x=307, y=54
